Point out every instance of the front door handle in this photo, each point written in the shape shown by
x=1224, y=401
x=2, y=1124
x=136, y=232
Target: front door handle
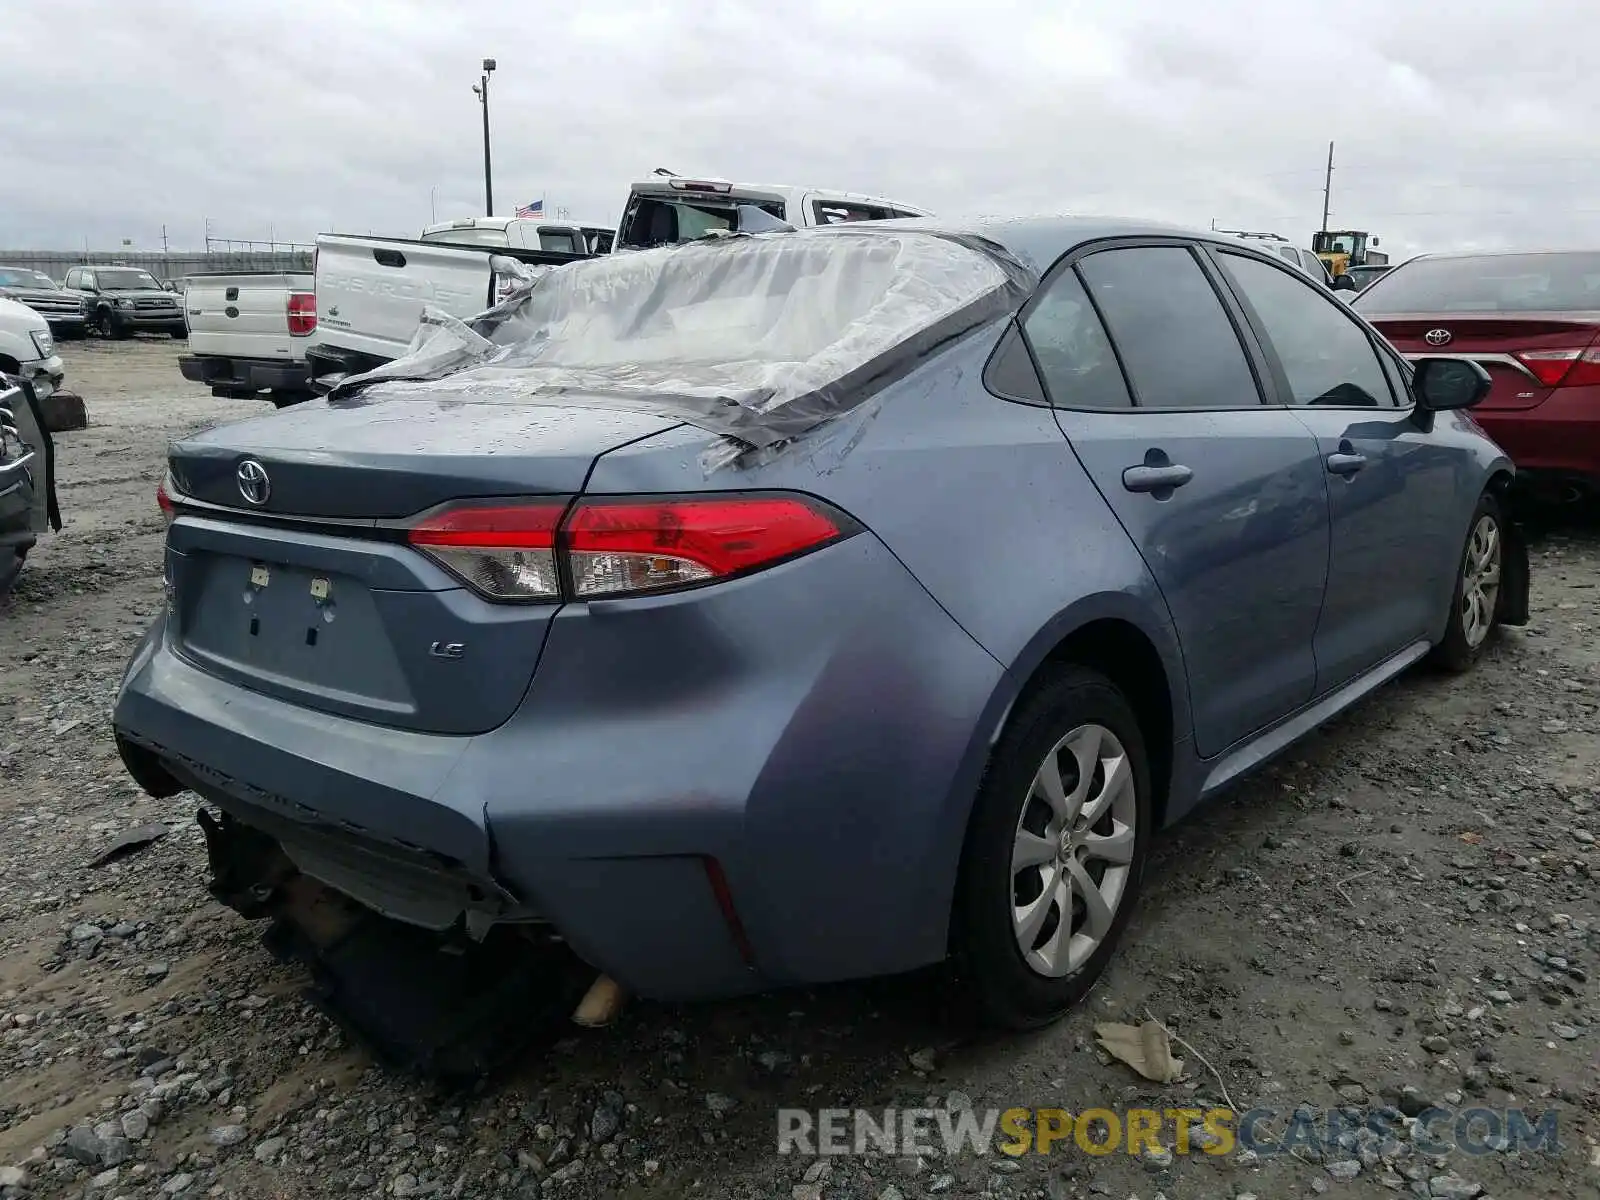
x=1345, y=463
x=1156, y=479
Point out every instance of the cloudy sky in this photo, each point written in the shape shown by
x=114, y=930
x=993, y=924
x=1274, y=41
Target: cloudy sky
x=1458, y=126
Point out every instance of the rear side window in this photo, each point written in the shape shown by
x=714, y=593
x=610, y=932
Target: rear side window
x=1070, y=345
x=1329, y=359
x=653, y=222
x=1290, y=253
x=558, y=240
x=1177, y=343
x=1553, y=282
x=827, y=212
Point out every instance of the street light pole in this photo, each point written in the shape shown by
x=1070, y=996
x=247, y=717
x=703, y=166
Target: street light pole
x=482, y=90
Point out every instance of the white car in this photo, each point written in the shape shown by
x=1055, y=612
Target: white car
x=28, y=349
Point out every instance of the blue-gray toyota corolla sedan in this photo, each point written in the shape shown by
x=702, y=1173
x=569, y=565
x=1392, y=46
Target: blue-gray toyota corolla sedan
x=811, y=605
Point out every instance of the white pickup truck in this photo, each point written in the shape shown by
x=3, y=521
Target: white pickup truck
x=371, y=291
x=248, y=334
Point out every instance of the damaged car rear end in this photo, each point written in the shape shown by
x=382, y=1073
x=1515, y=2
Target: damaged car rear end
x=531, y=632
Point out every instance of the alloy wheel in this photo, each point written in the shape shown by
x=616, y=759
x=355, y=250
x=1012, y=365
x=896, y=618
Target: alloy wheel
x=1073, y=850
x=1480, y=580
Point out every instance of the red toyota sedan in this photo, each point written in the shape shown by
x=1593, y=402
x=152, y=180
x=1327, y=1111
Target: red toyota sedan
x=1533, y=321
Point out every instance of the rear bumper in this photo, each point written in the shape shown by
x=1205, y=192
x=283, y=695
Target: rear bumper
x=822, y=755
x=228, y=376
x=1560, y=437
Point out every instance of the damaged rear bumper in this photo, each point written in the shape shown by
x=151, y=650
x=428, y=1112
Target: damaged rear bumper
x=693, y=817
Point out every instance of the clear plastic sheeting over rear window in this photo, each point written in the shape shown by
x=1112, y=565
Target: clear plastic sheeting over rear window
x=756, y=337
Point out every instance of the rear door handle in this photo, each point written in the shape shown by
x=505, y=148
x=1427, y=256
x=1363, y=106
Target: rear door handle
x=1344, y=463
x=1156, y=479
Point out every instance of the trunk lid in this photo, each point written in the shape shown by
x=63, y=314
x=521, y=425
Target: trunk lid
x=337, y=613
x=1494, y=341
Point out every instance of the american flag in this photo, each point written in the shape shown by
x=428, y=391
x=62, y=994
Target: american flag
x=534, y=210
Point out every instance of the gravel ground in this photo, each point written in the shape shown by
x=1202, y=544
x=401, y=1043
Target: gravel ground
x=1401, y=912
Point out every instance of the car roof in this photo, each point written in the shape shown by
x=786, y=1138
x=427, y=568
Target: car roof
x=1039, y=241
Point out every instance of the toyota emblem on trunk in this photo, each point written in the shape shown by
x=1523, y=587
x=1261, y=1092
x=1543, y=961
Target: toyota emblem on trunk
x=1436, y=337
x=254, y=485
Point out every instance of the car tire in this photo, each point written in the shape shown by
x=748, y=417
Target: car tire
x=11, y=563
x=178, y=334
x=1477, y=597
x=107, y=325
x=1010, y=950
x=285, y=399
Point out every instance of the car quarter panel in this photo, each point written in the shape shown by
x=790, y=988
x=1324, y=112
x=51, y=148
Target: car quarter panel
x=800, y=726
x=984, y=504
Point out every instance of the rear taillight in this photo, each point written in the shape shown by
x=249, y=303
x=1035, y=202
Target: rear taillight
x=302, y=314
x=615, y=547
x=169, y=510
x=607, y=547
x=504, y=552
x=1563, y=368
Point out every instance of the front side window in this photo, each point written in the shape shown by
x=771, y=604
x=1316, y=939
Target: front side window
x=1329, y=359
x=1177, y=343
x=1070, y=345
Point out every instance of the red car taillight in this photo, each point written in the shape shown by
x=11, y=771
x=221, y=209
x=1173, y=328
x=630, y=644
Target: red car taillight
x=605, y=547
x=302, y=314
x=505, y=552
x=1563, y=368
x=169, y=510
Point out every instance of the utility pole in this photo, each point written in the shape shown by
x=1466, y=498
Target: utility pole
x=163, y=240
x=482, y=90
x=433, y=204
x=1327, y=189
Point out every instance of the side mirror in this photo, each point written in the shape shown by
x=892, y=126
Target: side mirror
x=1443, y=384
x=1344, y=283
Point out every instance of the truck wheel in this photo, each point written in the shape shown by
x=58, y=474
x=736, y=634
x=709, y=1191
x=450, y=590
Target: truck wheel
x=288, y=399
x=11, y=560
x=107, y=325
x=178, y=334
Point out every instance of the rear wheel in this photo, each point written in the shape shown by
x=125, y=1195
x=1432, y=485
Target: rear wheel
x=1055, y=851
x=11, y=560
x=178, y=334
x=1475, y=601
